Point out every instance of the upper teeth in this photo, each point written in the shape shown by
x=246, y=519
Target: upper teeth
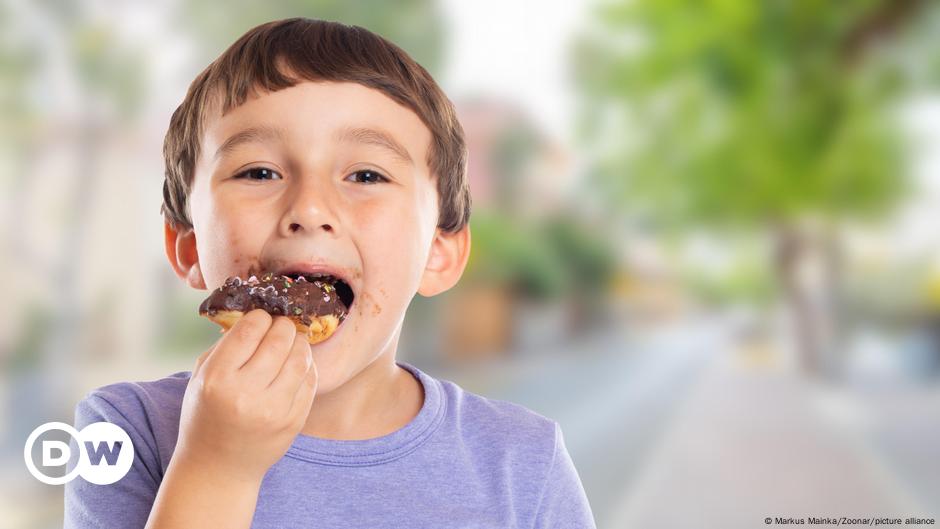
x=315, y=277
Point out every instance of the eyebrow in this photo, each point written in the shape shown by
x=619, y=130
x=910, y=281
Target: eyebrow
x=378, y=138
x=257, y=134
x=361, y=135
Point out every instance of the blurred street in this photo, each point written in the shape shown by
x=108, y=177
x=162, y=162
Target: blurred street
x=688, y=419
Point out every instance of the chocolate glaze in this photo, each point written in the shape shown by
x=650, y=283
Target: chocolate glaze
x=277, y=295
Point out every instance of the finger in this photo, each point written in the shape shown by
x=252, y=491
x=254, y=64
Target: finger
x=294, y=369
x=271, y=353
x=238, y=344
x=202, y=358
x=305, y=394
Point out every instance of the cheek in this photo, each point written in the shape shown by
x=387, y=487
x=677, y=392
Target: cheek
x=389, y=232
x=228, y=241
x=385, y=237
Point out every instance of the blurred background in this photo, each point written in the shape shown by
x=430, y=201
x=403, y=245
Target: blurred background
x=705, y=236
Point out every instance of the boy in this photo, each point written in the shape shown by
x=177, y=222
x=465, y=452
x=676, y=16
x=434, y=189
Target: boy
x=316, y=146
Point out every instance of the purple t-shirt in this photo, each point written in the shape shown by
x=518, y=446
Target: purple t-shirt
x=464, y=461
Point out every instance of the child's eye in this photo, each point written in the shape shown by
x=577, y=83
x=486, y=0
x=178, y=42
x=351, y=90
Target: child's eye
x=369, y=176
x=259, y=173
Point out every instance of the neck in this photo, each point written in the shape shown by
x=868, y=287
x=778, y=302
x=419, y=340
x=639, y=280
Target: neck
x=377, y=401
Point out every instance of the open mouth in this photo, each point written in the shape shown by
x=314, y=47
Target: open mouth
x=343, y=291
x=316, y=301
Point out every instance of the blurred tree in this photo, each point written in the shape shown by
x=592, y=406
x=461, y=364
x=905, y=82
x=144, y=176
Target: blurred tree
x=417, y=26
x=58, y=55
x=771, y=115
x=586, y=255
x=514, y=255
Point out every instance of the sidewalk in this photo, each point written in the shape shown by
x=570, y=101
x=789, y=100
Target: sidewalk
x=614, y=394
x=754, y=441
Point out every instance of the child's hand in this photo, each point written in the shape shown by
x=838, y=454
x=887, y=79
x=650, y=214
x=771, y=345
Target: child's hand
x=248, y=397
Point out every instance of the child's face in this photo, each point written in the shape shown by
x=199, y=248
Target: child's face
x=312, y=195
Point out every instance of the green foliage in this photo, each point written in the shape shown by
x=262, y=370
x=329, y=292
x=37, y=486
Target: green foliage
x=182, y=329
x=508, y=253
x=748, y=281
x=539, y=261
x=26, y=351
x=107, y=69
x=743, y=112
x=588, y=258
x=18, y=65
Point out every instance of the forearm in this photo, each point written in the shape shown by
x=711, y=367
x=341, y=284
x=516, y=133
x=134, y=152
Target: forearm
x=192, y=495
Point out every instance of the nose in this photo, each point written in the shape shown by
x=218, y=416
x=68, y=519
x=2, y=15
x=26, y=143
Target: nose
x=308, y=210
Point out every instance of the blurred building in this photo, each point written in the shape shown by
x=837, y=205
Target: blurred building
x=514, y=167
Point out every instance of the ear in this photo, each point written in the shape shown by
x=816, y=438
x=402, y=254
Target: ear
x=446, y=261
x=181, y=251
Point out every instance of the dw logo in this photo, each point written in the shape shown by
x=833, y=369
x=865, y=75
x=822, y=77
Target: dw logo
x=105, y=453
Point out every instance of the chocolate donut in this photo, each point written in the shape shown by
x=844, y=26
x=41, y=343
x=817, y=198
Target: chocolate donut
x=314, y=305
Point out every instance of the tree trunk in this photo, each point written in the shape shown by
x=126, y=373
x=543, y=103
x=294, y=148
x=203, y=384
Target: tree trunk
x=806, y=263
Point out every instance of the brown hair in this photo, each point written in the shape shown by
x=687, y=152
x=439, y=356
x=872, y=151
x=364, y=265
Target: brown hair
x=316, y=50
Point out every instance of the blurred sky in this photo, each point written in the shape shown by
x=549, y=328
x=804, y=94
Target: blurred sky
x=489, y=42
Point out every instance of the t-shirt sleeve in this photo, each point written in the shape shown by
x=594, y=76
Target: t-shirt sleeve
x=127, y=502
x=563, y=503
